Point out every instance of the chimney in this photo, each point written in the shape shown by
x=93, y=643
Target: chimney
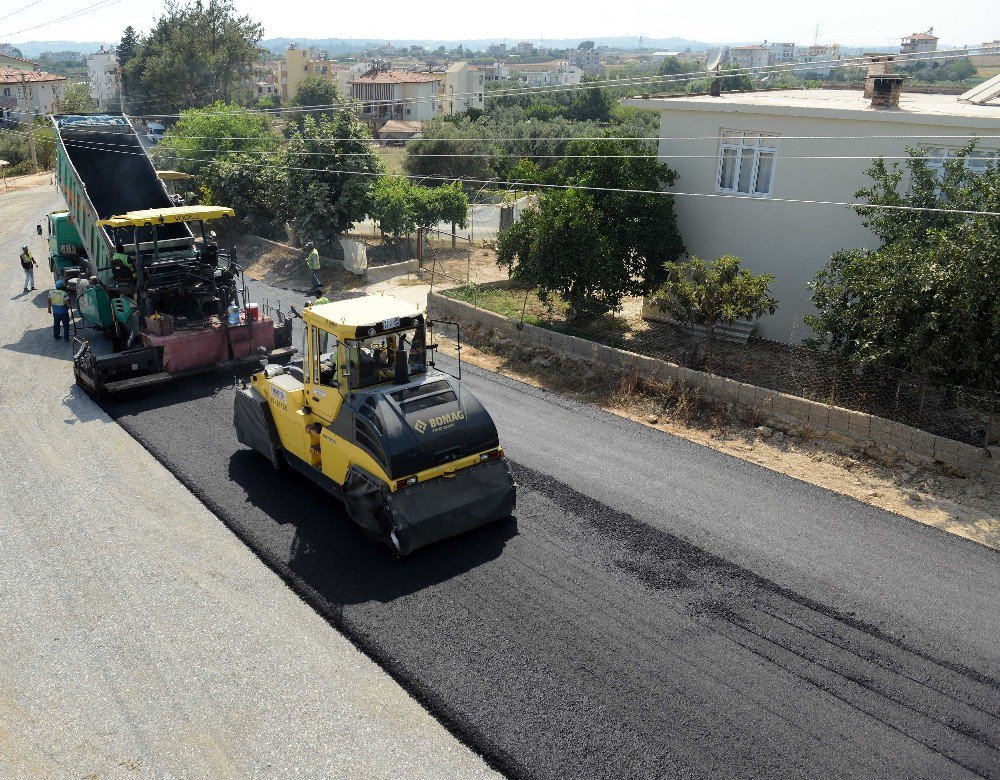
x=883, y=87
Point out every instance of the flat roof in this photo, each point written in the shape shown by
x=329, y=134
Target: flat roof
x=367, y=310
x=914, y=107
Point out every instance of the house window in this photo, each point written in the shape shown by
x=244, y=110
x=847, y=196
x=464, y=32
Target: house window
x=746, y=163
x=977, y=161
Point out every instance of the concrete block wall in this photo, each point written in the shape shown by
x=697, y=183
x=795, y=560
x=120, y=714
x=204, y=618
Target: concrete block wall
x=836, y=423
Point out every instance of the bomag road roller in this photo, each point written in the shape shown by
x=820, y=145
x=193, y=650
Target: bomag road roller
x=365, y=414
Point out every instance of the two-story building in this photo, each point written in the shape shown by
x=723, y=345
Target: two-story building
x=462, y=88
x=102, y=67
x=820, y=58
x=547, y=74
x=919, y=46
x=28, y=93
x=382, y=95
x=749, y=56
x=764, y=175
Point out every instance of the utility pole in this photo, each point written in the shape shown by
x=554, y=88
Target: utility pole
x=26, y=112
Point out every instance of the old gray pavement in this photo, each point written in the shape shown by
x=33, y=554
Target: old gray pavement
x=138, y=637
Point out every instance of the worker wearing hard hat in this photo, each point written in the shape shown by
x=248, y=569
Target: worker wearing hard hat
x=28, y=265
x=312, y=260
x=59, y=309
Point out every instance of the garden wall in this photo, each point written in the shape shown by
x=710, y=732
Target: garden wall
x=832, y=422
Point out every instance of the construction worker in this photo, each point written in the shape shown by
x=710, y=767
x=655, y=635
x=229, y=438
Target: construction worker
x=312, y=261
x=59, y=309
x=123, y=258
x=28, y=265
x=319, y=297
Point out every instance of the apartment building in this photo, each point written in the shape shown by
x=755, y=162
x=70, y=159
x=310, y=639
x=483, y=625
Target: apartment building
x=383, y=95
x=462, y=88
x=105, y=90
x=589, y=60
x=821, y=58
x=547, y=73
x=749, y=56
x=781, y=53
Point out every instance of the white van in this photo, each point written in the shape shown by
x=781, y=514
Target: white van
x=155, y=132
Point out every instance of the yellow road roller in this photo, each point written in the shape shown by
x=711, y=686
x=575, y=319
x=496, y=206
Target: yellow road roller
x=365, y=414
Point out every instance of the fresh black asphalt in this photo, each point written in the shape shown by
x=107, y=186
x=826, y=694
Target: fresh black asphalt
x=654, y=609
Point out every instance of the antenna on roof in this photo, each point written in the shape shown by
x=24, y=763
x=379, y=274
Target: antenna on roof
x=712, y=66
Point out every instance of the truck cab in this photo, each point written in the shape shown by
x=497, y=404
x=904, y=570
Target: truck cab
x=67, y=254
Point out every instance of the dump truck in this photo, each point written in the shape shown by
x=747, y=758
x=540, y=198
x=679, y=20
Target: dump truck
x=171, y=303
x=365, y=414
x=67, y=254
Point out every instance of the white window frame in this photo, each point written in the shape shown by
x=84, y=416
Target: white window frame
x=937, y=156
x=739, y=141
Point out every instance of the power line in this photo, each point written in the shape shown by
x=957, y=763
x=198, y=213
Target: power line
x=645, y=80
x=22, y=8
x=80, y=12
x=620, y=190
x=650, y=156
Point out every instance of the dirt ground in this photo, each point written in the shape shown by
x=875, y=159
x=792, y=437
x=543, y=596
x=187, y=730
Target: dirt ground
x=286, y=267
x=15, y=183
x=928, y=494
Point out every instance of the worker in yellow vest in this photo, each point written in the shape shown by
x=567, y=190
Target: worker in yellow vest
x=123, y=258
x=59, y=309
x=312, y=261
x=28, y=265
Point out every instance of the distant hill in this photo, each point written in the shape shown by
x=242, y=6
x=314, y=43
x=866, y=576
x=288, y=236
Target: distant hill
x=334, y=45
x=32, y=49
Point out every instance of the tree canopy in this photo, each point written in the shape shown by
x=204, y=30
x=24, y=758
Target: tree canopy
x=330, y=178
x=196, y=53
x=925, y=300
x=214, y=131
x=594, y=247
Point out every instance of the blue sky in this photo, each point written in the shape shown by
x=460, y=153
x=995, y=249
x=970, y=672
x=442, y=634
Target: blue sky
x=861, y=22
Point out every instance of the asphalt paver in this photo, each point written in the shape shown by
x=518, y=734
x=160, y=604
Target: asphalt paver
x=653, y=608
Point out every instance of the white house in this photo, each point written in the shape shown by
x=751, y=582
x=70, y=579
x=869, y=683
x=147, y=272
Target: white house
x=919, y=46
x=462, y=88
x=821, y=57
x=751, y=164
x=26, y=93
x=548, y=73
x=781, y=53
x=395, y=94
x=104, y=85
x=749, y=56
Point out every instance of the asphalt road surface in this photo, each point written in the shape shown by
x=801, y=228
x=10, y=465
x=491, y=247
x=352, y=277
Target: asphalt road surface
x=654, y=609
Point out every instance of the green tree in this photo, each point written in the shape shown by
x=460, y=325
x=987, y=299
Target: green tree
x=195, y=54
x=671, y=65
x=331, y=177
x=465, y=154
x=254, y=186
x=559, y=248
x=924, y=301
x=315, y=92
x=215, y=131
x=76, y=99
x=453, y=205
x=592, y=104
x=125, y=52
x=707, y=294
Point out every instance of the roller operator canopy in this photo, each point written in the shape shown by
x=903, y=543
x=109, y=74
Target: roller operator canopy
x=360, y=318
x=167, y=216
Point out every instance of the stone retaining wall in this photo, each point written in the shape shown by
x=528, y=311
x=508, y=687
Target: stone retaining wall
x=833, y=422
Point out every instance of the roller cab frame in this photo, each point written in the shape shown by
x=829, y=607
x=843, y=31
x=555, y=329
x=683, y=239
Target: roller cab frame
x=365, y=414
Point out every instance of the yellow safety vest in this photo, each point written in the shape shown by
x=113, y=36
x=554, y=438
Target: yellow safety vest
x=58, y=297
x=313, y=260
x=124, y=260
x=324, y=299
